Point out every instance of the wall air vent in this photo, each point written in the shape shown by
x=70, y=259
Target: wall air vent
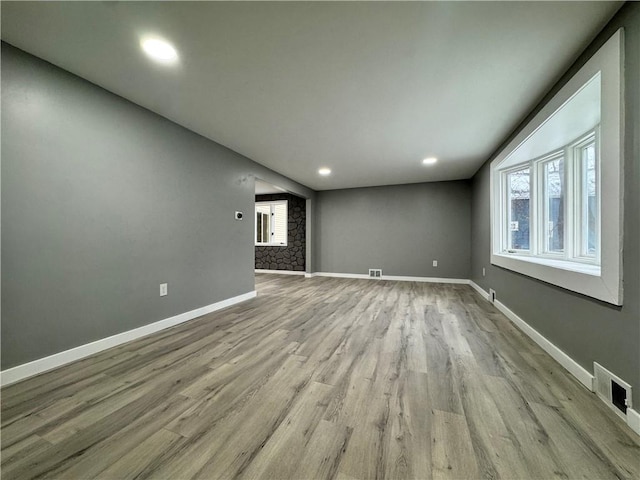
x=612, y=390
x=375, y=273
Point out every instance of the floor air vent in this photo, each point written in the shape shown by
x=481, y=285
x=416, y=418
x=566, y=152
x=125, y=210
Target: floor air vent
x=612, y=390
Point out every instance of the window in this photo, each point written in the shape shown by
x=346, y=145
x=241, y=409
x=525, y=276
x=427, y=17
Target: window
x=545, y=231
x=551, y=186
x=589, y=200
x=271, y=223
x=519, y=209
x=263, y=227
x=554, y=202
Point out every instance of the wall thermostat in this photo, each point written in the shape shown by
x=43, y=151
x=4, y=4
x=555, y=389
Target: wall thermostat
x=238, y=215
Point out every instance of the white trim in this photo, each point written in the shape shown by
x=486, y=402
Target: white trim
x=583, y=376
x=633, y=420
x=607, y=284
x=42, y=365
x=463, y=281
x=272, y=223
x=400, y=278
x=480, y=290
x=279, y=272
x=582, y=268
x=21, y=372
x=633, y=417
x=343, y=275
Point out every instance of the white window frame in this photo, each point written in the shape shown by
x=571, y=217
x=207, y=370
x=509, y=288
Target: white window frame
x=506, y=226
x=539, y=194
x=579, y=185
x=538, y=219
x=599, y=277
x=262, y=215
x=272, y=224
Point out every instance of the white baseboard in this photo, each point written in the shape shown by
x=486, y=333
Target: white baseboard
x=390, y=277
x=583, y=376
x=479, y=289
x=342, y=275
x=280, y=272
x=633, y=420
x=462, y=281
x=15, y=374
x=558, y=355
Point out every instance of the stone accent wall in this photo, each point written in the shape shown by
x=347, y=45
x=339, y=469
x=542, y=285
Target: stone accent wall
x=291, y=257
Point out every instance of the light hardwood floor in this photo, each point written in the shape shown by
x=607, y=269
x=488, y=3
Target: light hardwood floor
x=320, y=378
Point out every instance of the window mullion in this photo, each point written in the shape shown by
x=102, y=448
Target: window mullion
x=505, y=212
x=536, y=198
x=507, y=202
x=541, y=214
x=572, y=217
x=598, y=165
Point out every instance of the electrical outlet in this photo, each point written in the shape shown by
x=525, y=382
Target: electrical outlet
x=164, y=289
x=435, y=263
x=492, y=295
x=483, y=272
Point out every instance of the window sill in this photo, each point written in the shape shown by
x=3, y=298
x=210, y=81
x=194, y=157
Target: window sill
x=590, y=280
x=584, y=268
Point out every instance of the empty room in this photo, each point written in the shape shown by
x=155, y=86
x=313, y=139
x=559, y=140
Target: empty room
x=320, y=240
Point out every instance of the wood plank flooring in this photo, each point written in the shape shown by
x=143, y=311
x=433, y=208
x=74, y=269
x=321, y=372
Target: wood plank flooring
x=319, y=379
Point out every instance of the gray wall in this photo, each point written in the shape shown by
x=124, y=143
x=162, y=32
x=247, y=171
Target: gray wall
x=310, y=234
x=101, y=202
x=400, y=228
x=292, y=256
x=585, y=329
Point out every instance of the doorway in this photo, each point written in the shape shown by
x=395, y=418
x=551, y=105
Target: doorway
x=280, y=235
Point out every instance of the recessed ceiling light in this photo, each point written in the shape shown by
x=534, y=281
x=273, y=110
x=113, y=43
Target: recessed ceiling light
x=324, y=171
x=430, y=160
x=159, y=50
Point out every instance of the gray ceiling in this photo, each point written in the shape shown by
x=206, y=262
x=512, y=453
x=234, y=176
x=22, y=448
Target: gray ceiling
x=366, y=88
